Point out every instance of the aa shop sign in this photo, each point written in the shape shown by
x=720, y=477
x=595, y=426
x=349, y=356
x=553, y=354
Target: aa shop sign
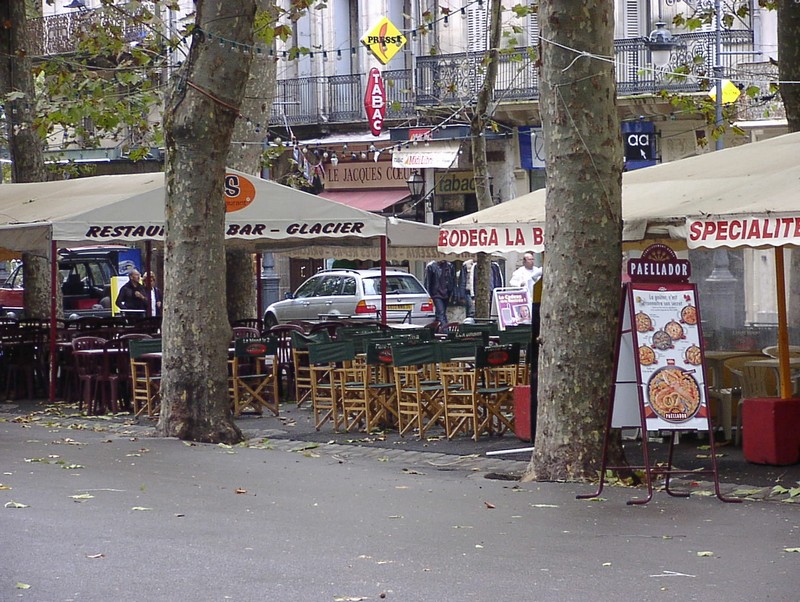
x=375, y=101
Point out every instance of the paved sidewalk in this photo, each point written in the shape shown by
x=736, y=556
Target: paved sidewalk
x=96, y=512
x=500, y=457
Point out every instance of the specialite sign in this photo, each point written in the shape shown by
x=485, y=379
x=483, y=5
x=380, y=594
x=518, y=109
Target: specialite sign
x=743, y=231
x=375, y=101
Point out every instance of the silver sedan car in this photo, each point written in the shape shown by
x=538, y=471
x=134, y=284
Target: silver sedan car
x=354, y=294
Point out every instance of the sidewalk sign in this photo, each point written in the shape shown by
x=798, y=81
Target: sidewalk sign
x=513, y=306
x=659, y=366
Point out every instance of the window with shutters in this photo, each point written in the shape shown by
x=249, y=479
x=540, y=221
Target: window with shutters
x=533, y=23
x=630, y=23
x=477, y=28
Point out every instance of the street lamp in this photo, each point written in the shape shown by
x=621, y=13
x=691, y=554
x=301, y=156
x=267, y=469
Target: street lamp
x=416, y=186
x=661, y=44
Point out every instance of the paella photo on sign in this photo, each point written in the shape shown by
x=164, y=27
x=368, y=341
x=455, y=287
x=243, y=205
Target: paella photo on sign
x=673, y=394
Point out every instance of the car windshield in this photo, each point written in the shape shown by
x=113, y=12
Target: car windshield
x=395, y=284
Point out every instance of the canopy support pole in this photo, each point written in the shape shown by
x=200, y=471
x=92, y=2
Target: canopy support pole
x=53, y=298
x=259, y=292
x=783, y=331
x=383, y=280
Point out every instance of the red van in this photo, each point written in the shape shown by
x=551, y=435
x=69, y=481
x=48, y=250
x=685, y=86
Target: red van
x=85, y=279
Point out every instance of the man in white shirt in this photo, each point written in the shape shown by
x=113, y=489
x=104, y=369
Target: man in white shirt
x=526, y=275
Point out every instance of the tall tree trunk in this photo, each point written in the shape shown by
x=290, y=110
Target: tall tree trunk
x=245, y=155
x=582, y=263
x=478, y=135
x=24, y=145
x=789, y=71
x=198, y=122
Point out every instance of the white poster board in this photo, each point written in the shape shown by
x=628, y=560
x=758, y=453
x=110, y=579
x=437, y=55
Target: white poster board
x=513, y=306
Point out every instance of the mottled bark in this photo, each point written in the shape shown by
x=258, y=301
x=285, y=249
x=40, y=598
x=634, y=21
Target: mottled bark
x=582, y=261
x=478, y=126
x=789, y=70
x=36, y=296
x=24, y=145
x=198, y=123
x=240, y=285
x=245, y=155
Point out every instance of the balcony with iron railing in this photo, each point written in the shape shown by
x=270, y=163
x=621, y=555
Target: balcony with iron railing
x=447, y=79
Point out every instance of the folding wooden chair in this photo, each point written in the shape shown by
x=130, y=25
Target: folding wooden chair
x=326, y=360
x=253, y=375
x=496, y=366
x=145, y=376
x=522, y=334
x=299, y=343
x=89, y=369
x=418, y=403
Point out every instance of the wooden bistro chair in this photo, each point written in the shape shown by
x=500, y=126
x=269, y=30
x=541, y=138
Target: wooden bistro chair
x=459, y=377
x=326, y=361
x=285, y=367
x=367, y=389
x=497, y=370
x=145, y=376
x=728, y=394
x=418, y=400
x=253, y=375
x=757, y=382
x=89, y=370
x=301, y=367
x=522, y=334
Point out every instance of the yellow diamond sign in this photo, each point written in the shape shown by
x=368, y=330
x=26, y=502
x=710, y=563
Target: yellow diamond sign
x=384, y=40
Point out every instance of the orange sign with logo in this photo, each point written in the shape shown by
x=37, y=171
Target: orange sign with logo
x=239, y=192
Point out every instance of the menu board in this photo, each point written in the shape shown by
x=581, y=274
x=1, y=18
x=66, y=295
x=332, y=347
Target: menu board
x=513, y=307
x=667, y=349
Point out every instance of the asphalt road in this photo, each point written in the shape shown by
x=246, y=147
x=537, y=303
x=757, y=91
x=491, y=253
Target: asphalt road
x=116, y=516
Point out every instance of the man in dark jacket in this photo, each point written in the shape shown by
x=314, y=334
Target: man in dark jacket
x=440, y=282
x=132, y=295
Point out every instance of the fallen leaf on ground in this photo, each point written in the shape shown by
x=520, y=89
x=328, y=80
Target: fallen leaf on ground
x=13, y=504
x=4, y=487
x=606, y=564
x=240, y=490
x=22, y=586
x=706, y=553
x=142, y=508
x=82, y=496
x=489, y=505
x=95, y=556
x=791, y=549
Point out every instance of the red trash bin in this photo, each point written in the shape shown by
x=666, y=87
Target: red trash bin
x=522, y=413
x=771, y=430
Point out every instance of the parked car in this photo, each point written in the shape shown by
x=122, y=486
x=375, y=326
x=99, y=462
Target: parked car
x=356, y=293
x=85, y=279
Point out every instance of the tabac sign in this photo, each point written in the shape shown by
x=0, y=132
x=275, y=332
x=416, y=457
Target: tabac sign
x=384, y=40
x=375, y=101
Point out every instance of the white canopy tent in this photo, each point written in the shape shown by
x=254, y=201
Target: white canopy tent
x=262, y=215
x=748, y=195
x=759, y=180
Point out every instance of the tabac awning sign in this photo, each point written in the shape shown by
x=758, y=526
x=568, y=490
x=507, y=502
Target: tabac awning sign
x=384, y=40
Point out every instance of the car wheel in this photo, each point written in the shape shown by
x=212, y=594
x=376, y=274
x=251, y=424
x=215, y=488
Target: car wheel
x=270, y=320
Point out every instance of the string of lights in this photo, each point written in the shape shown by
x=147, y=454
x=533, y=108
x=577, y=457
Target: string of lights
x=326, y=53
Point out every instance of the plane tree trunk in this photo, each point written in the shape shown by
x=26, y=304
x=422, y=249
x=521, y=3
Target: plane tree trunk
x=582, y=260
x=198, y=123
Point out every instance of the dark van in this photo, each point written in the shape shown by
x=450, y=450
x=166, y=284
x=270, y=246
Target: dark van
x=85, y=280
